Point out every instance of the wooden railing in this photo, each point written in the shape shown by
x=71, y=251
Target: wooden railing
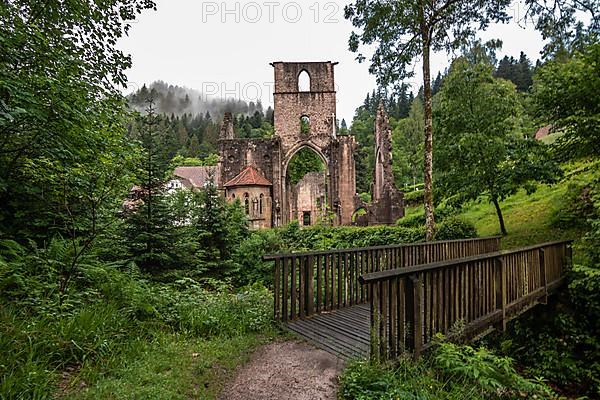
x=465, y=296
x=311, y=283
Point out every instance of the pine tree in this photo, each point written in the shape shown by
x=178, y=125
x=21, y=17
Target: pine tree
x=150, y=235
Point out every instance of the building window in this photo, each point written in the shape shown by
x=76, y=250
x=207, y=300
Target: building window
x=304, y=125
x=247, y=203
x=260, y=204
x=306, y=218
x=303, y=82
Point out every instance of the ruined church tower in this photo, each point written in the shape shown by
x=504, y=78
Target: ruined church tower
x=305, y=117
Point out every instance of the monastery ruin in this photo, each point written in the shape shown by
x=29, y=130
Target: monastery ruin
x=255, y=171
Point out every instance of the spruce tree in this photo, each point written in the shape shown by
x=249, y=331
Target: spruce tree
x=150, y=234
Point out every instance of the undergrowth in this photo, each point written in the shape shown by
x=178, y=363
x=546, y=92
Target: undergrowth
x=451, y=371
x=57, y=343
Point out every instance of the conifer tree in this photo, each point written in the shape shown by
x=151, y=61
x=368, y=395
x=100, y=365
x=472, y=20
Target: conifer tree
x=150, y=234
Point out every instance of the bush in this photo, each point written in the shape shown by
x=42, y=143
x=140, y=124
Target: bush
x=414, y=198
x=325, y=237
x=450, y=372
x=418, y=219
x=250, y=266
x=455, y=228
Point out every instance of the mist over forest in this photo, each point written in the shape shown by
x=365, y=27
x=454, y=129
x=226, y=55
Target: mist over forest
x=178, y=100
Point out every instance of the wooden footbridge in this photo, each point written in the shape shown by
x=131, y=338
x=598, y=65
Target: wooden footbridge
x=382, y=301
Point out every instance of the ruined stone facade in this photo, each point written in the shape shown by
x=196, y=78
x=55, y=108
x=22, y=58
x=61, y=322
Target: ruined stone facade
x=308, y=199
x=387, y=204
x=305, y=117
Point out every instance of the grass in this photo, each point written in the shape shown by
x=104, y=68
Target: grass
x=169, y=367
x=529, y=218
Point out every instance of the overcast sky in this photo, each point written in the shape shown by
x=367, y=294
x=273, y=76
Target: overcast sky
x=224, y=48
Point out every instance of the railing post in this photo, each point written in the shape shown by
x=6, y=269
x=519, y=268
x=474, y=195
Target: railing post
x=375, y=318
x=413, y=313
x=285, y=291
x=543, y=282
x=310, y=286
x=276, y=285
x=500, y=283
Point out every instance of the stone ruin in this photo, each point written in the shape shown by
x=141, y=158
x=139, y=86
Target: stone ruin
x=255, y=170
x=387, y=204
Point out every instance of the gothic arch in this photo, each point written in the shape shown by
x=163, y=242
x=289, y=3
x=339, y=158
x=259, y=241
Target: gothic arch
x=299, y=146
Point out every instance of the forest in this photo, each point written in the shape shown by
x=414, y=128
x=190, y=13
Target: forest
x=105, y=291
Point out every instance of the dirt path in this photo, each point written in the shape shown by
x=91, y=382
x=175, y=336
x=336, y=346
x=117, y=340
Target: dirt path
x=289, y=370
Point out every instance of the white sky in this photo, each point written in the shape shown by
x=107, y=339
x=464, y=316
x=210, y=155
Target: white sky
x=225, y=47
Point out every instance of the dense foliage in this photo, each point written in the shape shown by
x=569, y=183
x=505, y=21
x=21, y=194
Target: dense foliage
x=450, y=372
x=566, y=94
x=481, y=148
x=104, y=319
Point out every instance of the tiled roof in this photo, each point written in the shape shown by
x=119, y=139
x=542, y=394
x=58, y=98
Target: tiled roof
x=543, y=131
x=196, y=176
x=249, y=177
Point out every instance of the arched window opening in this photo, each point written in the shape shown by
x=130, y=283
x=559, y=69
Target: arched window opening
x=304, y=82
x=247, y=203
x=304, y=161
x=304, y=125
x=306, y=218
x=260, y=204
x=233, y=196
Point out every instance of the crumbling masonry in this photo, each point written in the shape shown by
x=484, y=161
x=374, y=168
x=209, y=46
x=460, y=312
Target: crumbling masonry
x=255, y=170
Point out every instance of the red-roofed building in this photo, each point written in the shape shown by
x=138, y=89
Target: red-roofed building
x=543, y=132
x=254, y=192
x=193, y=177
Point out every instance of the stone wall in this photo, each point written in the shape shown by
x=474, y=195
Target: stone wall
x=308, y=196
x=256, y=201
x=237, y=154
x=272, y=156
x=387, y=205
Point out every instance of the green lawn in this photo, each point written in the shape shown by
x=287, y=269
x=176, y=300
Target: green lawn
x=532, y=218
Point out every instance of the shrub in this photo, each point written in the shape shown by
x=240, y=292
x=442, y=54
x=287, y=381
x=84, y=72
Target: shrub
x=325, y=237
x=455, y=228
x=418, y=219
x=450, y=372
x=250, y=266
x=414, y=198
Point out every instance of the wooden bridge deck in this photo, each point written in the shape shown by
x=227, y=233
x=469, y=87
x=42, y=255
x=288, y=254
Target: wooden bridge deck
x=381, y=302
x=344, y=332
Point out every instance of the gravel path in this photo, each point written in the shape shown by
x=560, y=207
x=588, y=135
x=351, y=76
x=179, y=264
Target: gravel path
x=289, y=370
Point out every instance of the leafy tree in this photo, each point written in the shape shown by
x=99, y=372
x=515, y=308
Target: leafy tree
x=407, y=146
x=561, y=22
x=62, y=117
x=567, y=95
x=363, y=129
x=480, y=150
x=407, y=30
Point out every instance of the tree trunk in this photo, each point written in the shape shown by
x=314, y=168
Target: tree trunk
x=428, y=156
x=500, y=217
